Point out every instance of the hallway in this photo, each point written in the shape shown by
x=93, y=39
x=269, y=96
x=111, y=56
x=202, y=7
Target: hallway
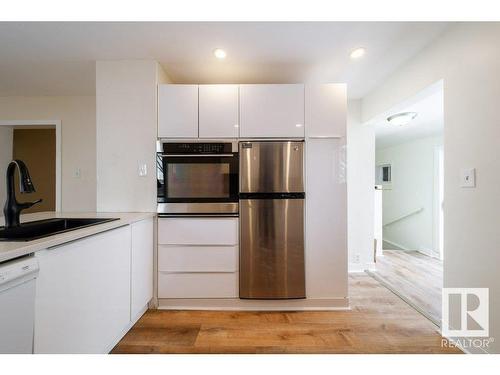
x=414, y=276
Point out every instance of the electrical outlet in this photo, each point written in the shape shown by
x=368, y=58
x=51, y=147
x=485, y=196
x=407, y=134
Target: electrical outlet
x=143, y=170
x=356, y=258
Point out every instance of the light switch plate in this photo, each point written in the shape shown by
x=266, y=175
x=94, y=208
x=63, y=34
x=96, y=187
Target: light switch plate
x=468, y=178
x=143, y=170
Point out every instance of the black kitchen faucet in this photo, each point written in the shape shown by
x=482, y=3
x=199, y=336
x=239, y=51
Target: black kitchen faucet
x=13, y=208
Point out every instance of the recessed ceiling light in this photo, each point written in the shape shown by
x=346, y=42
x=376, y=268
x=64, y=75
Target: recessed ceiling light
x=220, y=53
x=401, y=118
x=357, y=53
x=298, y=125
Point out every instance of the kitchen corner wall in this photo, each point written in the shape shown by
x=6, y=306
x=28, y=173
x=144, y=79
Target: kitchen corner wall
x=360, y=189
x=77, y=116
x=126, y=130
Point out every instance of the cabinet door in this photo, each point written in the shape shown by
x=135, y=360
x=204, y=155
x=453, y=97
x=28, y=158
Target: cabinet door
x=272, y=111
x=178, y=111
x=219, y=111
x=326, y=219
x=83, y=294
x=142, y=266
x=326, y=110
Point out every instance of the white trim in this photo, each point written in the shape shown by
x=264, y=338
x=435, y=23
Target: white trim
x=437, y=193
x=361, y=267
x=235, y=304
x=57, y=124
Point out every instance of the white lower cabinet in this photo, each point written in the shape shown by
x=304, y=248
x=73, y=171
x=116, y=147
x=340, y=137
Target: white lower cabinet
x=83, y=294
x=198, y=231
x=197, y=285
x=198, y=258
x=141, y=266
x=174, y=258
x=90, y=291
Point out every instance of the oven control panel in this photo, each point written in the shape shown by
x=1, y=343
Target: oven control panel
x=197, y=148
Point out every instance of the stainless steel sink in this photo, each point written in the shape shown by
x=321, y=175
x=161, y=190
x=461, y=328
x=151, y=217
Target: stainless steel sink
x=33, y=230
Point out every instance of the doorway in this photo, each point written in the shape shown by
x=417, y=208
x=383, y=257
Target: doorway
x=37, y=143
x=409, y=176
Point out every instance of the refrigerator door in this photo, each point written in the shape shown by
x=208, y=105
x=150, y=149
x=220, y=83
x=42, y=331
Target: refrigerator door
x=272, y=248
x=271, y=167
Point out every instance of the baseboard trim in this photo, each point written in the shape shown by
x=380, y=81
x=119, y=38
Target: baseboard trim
x=361, y=267
x=230, y=304
x=356, y=267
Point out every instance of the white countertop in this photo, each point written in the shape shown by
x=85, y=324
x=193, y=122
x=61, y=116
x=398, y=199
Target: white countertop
x=10, y=250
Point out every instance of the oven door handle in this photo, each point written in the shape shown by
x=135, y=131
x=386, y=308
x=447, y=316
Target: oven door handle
x=195, y=155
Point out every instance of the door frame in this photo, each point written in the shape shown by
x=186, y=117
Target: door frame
x=438, y=198
x=57, y=124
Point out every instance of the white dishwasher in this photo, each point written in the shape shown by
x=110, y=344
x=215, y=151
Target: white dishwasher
x=17, y=304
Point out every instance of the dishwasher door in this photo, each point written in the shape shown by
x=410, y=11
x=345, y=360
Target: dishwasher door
x=17, y=301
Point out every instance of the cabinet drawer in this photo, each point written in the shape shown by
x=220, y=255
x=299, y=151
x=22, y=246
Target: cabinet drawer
x=198, y=231
x=197, y=258
x=198, y=285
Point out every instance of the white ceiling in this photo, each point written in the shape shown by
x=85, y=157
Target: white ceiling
x=429, y=121
x=58, y=58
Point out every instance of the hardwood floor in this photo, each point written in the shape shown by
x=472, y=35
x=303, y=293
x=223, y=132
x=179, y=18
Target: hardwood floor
x=379, y=322
x=418, y=278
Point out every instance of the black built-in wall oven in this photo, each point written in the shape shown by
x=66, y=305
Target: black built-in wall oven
x=197, y=178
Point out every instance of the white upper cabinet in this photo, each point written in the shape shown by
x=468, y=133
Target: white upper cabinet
x=326, y=107
x=272, y=111
x=218, y=111
x=178, y=111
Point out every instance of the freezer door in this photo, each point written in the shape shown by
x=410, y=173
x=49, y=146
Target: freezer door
x=271, y=167
x=272, y=248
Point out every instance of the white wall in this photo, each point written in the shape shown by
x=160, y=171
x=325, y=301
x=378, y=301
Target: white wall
x=77, y=116
x=467, y=58
x=6, y=136
x=360, y=188
x=126, y=116
x=412, y=188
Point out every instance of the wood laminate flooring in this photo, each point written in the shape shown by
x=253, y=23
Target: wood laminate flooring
x=418, y=278
x=378, y=322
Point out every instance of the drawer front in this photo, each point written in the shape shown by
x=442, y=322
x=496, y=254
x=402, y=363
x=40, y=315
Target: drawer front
x=198, y=285
x=198, y=231
x=173, y=258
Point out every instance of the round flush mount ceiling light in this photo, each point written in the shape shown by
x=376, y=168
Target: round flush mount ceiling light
x=357, y=53
x=220, y=53
x=402, y=118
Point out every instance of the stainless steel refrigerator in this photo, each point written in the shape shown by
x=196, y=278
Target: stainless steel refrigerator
x=272, y=220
